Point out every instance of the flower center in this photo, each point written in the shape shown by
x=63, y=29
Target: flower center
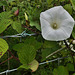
x=54, y=26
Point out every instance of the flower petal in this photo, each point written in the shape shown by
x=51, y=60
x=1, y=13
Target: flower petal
x=54, y=13
x=46, y=17
x=67, y=26
x=67, y=23
x=56, y=35
x=45, y=27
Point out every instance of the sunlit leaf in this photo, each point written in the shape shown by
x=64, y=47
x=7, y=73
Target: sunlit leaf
x=4, y=24
x=34, y=65
x=3, y=47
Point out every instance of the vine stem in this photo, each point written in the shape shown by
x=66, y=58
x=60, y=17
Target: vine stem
x=3, y=7
x=31, y=29
x=8, y=63
x=10, y=57
x=55, y=52
x=6, y=60
x=13, y=55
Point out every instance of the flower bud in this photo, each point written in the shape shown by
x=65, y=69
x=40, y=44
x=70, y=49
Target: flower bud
x=72, y=49
x=73, y=41
x=16, y=13
x=26, y=17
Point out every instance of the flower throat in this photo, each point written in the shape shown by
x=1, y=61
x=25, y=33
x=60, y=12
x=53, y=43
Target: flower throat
x=54, y=26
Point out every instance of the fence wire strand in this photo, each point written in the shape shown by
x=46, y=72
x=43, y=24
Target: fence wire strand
x=7, y=71
x=23, y=34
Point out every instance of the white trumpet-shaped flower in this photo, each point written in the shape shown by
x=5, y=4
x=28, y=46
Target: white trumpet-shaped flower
x=56, y=24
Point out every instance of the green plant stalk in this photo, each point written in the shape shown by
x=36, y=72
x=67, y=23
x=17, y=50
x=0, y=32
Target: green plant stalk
x=70, y=50
x=55, y=52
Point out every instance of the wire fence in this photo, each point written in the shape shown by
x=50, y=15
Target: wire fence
x=57, y=59
x=23, y=34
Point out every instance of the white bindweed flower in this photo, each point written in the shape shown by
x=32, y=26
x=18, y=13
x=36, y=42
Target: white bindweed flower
x=56, y=24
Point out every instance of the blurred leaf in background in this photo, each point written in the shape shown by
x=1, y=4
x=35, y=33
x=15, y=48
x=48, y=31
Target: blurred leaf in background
x=73, y=3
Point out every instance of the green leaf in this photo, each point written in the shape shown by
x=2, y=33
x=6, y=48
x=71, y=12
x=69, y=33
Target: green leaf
x=70, y=67
x=24, y=66
x=49, y=44
x=5, y=15
x=16, y=48
x=32, y=41
x=34, y=17
x=26, y=53
x=3, y=47
x=36, y=24
x=5, y=20
x=49, y=47
x=17, y=26
x=73, y=3
x=47, y=51
x=61, y=70
x=4, y=24
x=73, y=34
x=34, y=65
x=68, y=8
